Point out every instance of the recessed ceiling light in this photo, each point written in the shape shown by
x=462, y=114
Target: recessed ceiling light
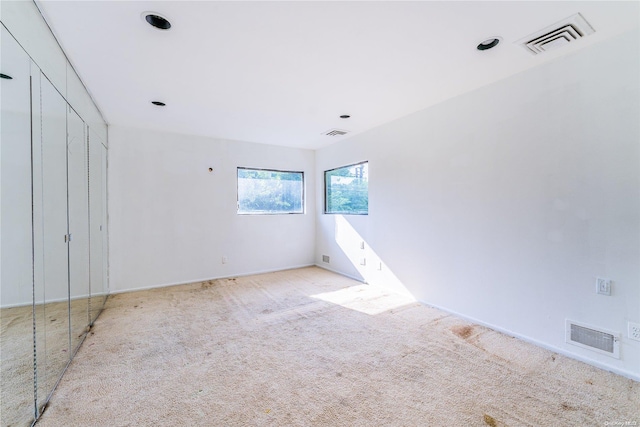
x=345, y=116
x=158, y=103
x=489, y=43
x=157, y=20
x=5, y=76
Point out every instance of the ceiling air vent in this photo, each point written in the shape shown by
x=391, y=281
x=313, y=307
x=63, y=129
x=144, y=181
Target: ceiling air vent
x=557, y=35
x=335, y=132
x=605, y=342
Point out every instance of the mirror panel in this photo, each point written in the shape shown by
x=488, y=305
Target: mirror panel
x=39, y=321
x=16, y=282
x=78, y=193
x=105, y=227
x=52, y=261
x=96, y=256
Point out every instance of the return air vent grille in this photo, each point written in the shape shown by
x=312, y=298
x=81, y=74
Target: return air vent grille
x=557, y=35
x=335, y=132
x=605, y=342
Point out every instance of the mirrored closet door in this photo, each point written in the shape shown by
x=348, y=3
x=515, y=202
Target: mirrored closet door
x=54, y=240
x=50, y=236
x=78, y=236
x=16, y=283
x=97, y=225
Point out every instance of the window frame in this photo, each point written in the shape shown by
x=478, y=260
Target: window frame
x=324, y=184
x=303, y=204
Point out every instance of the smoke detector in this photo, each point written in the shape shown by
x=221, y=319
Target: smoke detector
x=557, y=35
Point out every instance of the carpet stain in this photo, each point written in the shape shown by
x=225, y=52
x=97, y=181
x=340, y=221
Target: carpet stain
x=463, y=332
x=489, y=420
x=568, y=407
x=207, y=284
x=287, y=362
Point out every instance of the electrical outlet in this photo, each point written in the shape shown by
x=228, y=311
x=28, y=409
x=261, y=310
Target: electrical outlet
x=225, y=259
x=603, y=286
x=634, y=331
x=363, y=261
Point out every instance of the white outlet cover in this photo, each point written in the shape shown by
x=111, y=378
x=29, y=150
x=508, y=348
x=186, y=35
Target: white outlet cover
x=634, y=331
x=603, y=286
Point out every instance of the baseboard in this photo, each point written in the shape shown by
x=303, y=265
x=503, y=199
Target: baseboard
x=187, y=282
x=341, y=273
x=588, y=361
x=30, y=303
x=537, y=343
x=16, y=305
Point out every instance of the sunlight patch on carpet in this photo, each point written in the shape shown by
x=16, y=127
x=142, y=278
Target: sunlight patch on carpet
x=365, y=299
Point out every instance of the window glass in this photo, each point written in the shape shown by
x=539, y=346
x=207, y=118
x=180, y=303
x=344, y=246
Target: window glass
x=346, y=190
x=263, y=191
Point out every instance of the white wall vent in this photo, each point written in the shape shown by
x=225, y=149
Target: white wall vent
x=557, y=35
x=335, y=132
x=325, y=258
x=596, y=339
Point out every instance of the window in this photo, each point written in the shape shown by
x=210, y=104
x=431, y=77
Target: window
x=346, y=190
x=262, y=191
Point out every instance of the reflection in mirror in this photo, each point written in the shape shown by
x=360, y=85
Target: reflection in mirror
x=105, y=225
x=53, y=254
x=96, y=226
x=78, y=192
x=16, y=284
x=50, y=217
x=39, y=316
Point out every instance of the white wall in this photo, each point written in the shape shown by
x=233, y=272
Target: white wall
x=171, y=221
x=505, y=204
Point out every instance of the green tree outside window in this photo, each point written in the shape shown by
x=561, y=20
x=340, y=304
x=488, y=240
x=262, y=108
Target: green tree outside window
x=347, y=190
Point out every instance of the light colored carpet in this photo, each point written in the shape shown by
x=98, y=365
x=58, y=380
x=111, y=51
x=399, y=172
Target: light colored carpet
x=16, y=354
x=16, y=366
x=311, y=348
